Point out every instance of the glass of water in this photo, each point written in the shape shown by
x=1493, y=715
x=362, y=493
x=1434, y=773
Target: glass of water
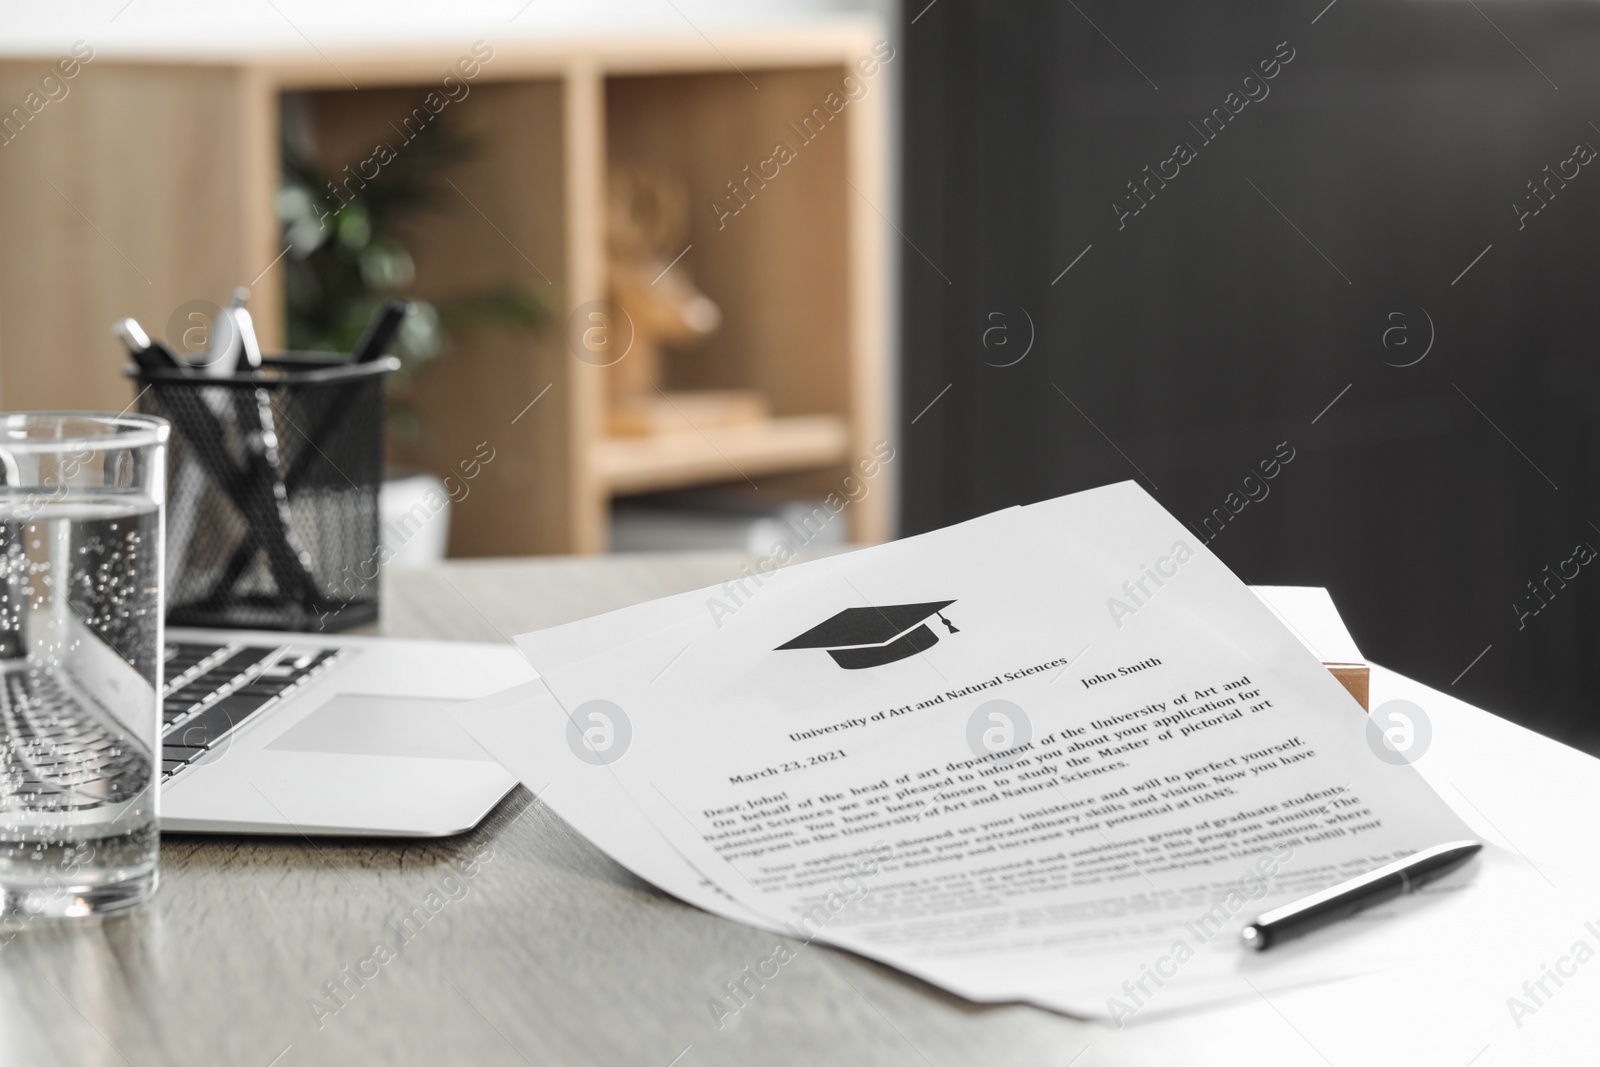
x=81, y=547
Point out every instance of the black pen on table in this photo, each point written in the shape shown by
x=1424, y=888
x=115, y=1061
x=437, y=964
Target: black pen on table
x=1345, y=899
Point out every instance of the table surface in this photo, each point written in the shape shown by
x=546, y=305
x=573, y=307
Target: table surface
x=539, y=949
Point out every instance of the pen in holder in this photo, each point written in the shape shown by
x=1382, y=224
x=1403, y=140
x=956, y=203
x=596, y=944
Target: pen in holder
x=273, y=496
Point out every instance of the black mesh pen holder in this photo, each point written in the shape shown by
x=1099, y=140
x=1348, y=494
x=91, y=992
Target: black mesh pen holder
x=272, y=499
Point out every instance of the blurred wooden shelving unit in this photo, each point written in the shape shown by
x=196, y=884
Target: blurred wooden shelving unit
x=693, y=457
x=152, y=186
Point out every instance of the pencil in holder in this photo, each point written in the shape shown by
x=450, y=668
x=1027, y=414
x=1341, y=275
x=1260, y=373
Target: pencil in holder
x=272, y=502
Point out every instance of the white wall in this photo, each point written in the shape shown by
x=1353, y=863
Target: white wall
x=197, y=25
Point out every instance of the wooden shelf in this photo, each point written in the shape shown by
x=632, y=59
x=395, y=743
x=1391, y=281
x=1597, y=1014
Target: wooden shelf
x=151, y=214
x=722, y=453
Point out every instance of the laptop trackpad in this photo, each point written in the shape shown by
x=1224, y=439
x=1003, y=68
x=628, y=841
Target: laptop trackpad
x=357, y=724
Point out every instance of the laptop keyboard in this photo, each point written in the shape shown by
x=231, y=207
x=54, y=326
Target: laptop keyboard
x=212, y=688
x=59, y=756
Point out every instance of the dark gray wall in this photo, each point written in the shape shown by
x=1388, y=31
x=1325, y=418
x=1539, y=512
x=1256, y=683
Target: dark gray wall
x=1221, y=320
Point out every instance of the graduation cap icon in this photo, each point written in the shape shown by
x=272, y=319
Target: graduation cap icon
x=870, y=637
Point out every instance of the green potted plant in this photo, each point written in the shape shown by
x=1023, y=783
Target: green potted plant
x=347, y=256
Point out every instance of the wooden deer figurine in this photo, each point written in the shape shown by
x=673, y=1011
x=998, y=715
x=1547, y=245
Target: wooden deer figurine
x=647, y=223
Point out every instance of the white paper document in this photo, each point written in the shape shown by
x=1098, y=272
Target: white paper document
x=1058, y=754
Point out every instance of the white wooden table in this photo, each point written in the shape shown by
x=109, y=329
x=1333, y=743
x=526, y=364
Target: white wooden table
x=549, y=953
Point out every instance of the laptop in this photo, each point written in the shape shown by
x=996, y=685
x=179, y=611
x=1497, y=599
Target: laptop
x=314, y=735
